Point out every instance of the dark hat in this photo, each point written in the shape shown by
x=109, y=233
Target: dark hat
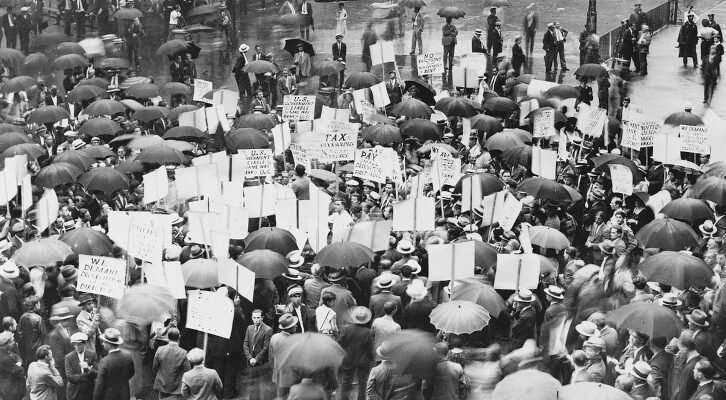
x=287, y=321
x=195, y=251
x=698, y=318
x=336, y=276
x=112, y=336
x=338, y=36
x=69, y=272
x=85, y=298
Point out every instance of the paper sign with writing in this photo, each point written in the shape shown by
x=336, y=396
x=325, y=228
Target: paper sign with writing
x=477, y=61
x=648, y=131
x=338, y=114
x=298, y=107
x=544, y=162
x=430, y=63
x=395, y=174
x=562, y=152
x=632, y=134
x=695, y=139
x=544, y=124
x=146, y=242
x=591, y=120
x=101, y=275
x=446, y=170
x=622, y=178
x=501, y=207
x=382, y=52
x=465, y=77
x=537, y=88
x=258, y=162
x=371, y=164
x=19, y=164
x=201, y=87
x=366, y=109
x=380, y=95
x=517, y=271
x=300, y=156
x=417, y=214
x=210, y=312
x=451, y=261
x=341, y=139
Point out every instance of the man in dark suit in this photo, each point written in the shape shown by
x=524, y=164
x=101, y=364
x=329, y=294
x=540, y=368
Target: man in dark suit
x=80, y=369
x=448, y=40
x=58, y=340
x=80, y=7
x=12, y=375
x=115, y=370
x=25, y=25
x=628, y=49
x=10, y=27
x=686, y=383
x=549, y=45
x=356, y=340
x=53, y=98
x=364, y=277
x=497, y=41
x=256, y=347
x=243, y=79
x=660, y=365
x=703, y=373
x=379, y=300
x=477, y=46
x=306, y=9
x=340, y=51
x=170, y=363
x=720, y=221
x=10, y=300
x=261, y=57
x=394, y=88
x=697, y=322
x=523, y=319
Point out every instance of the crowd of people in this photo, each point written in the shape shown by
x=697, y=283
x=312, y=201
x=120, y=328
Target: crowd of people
x=626, y=302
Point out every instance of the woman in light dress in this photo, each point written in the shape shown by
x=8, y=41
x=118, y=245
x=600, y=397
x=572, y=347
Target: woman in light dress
x=342, y=18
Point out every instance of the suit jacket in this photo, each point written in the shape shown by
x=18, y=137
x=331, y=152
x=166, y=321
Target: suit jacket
x=282, y=88
x=170, y=364
x=477, y=46
x=645, y=391
x=58, y=100
x=711, y=389
x=237, y=69
x=418, y=22
x=395, y=91
x=416, y=316
x=339, y=53
x=378, y=300
x=687, y=383
x=660, y=365
x=703, y=343
x=309, y=9
x=6, y=23
x=720, y=225
x=548, y=41
x=303, y=62
x=448, y=33
x=80, y=384
x=357, y=342
x=12, y=375
x=257, y=345
x=260, y=56
x=114, y=373
x=596, y=371
x=24, y=23
x=10, y=300
x=497, y=41
x=60, y=345
x=522, y=328
x=279, y=376
x=307, y=390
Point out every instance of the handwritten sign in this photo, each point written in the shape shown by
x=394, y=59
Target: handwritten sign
x=591, y=120
x=501, y=207
x=366, y=110
x=297, y=107
x=632, y=135
x=102, y=275
x=341, y=139
x=146, y=242
x=695, y=139
x=430, y=63
x=647, y=135
x=446, y=170
x=544, y=124
x=201, y=87
x=210, y=312
x=371, y=164
x=632, y=113
x=300, y=156
x=258, y=162
x=622, y=179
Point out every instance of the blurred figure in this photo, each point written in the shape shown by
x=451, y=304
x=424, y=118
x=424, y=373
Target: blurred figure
x=530, y=29
x=368, y=38
x=418, y=26
x=200, y=382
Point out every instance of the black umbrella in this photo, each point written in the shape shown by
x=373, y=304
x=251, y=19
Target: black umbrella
x=486, y=123
x=423, y=129
x=361, y=80
x=683, y=118
x=451, y=12
x=425, y=92
x=667, y=234
x=455, y=107
x=271, y=238
x=291, y=44
x=412, y=108
x=591, y=71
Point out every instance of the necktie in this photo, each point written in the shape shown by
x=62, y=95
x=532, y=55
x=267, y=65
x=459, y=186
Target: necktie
x=80, y=5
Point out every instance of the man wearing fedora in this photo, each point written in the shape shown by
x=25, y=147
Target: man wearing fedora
x=80, y=369
x=357, y=342
x=302, y=61
x=523, y=319
x=12, y=374
x=660, y=365
x=698, y=323
x=282, y=378
x=256, y=347
x=58, y=339
x=595, y=367
x=88, y=319
x=115, y=369
x=555, y=295
x=240, y=76
x=607, y=333
x=378, y=301
x=10, y=304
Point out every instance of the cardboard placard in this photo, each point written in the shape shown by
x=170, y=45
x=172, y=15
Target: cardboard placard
x=695, y=139
x=366, y=109
x=237, y=277
x=380, y=95
x=196, y=118
x=26, y=192
x=451, y=261
x=168, y=275
x=341, y=140
x=371, y=164
x=146, y=242
x=525, y=108
x=622, y=178
x=201, y=87
x=544, y=124
x=659, y=200
x=200, y=180
x=281, y=138
x=446, y=170
x=258, y=162
x=210, y=312
x=632, y=134
x=465, y=77
x=382, y=52
x=228, y=99
x=517, y=271
x=156, y=185
x=417, y=214
x=47, y=210
x=300, y=156
x=501, y=207
x=666, y=148
x=298, y=107
x=102, y=275
x=591, y=120
x=632, y=113
x=430, y=63
x=335, y=114
x=544, y=162
x=372, y=234
x=648, y=131
x=471, y=192
x=537, y=88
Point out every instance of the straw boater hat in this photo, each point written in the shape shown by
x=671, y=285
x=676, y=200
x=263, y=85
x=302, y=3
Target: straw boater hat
x=594, y=342
x=708, y=228
x=243, y=48
x=384, y=282
x=295, y=259
x=292, y=275
x=335, y=276
x=9, y=270
x=587, y=328
x=405, y=246
x=555, y=292
x=112, y=336
x=670, y=300
x=524, y=296
x=415, y=266
x=360, y=315
x=639, y=370
x=79, y=337
x=293, y=290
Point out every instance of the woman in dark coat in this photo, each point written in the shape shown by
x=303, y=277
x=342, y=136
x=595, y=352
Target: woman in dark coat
x=687, y=40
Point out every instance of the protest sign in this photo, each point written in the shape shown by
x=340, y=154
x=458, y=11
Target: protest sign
x=26, y=192
x=227, y=99
x=196, y=118
x=167, y=275
x=156, y=185
x=666, y=148
x=258, y=162
x=382, y=52
x=632, y=135
x=591, y=120
x=632, y=113
x=380, y=95
x=430, y=63
x=201, y=87
x=536, y=88
x=337, y=114
x=19, y=164
x=501, y=207
x=300, y=156
x=372, y=234
x=466, y=132
x=648, y=131
x=544, y=162
x=281, y=138
x=46, y=210
x=366, y=109
x=261, y=200
x=8, y=186
x=441, y=95
x=298, y=107
x=395, y=173
x=212, y=117
x=341, y=140
x=562, y=152
x=659, y=200
x=146, y=242
x=200, y=180
x=476, y=61
x=210, y=312
x=517, y=271
x=525, y=108
x=371, y=164
x=237, y=277
x=417, y=214
x=544, y=124
x=102, y=275
x=695, y=139
x=219, y=243
x=233, y=220
x=446, y=170
x=451, y=261
x=471, y=192
x=465, y=77
x=622, y=178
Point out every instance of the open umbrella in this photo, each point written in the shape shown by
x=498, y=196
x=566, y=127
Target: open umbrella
x=562, y=91
x=87, y=241
x=547, y=189
x=19, y=84
x=527, y=384
x=5, y=128
x=140, y=141
x=711, y=188
x=559, y=116
x=143, y=91
x=683, y=118
x=455, y=107
x=130, y=166
x=94, y=47
x=344, y=254
x=11, y=56
x=106, y=180
x=327, y=67
x=266, y=264
x=260, y=67
x=47, y=115
x=450, y=12
x=292, y=19
x=361, y=80
x=486, y=123
x=246, y=138
x=98, y=152
x=128, y=14
x=521, y=154
x=667, y=234
x=323, y=175
x=649, y=318
x=496, y=3
x=412, y=3
x=689, y=210
x=591, y=71
x=188, y=133
x=602, y=164
x=144, y=304
x=422, y=129
x=75, y=157
x=684, y=166
x=162, y=155
x=424, y=91
x=175, y=88
x=200, y=273
x=501, y=106
x=150, y=113
x=412, y=108
x=184, y=147
x=70, y=48
x=481, y=294
x=548, y=238
x=174, y=113
x=502, y=141
x=716, y=169
x=85, y=92
x=99, y=127
x=271, y=238
x=134, y=80
x=41, y=253
x=459, y=316
x=309, y=352
x=412, y=351
x=256, y=121
x=104, y=107
x=291, y=44
x=172, y=47
x=9, y=139
x=488, y=184
x=35, y=63
x=591, y=391
x=55, y=174
x=96, y=81
x=203, y=10
x=69, y=61
x=32, y=150
x=676, y=269
x=382, y=133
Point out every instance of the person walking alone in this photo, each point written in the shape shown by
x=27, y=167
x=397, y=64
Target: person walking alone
x=418, y=26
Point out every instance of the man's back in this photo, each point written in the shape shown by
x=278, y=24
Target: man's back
x=301, y=187
x=114, y=372
x=170, y=363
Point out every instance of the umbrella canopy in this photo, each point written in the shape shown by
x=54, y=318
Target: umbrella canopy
x=382, y=133
x=246, y=138
x=172, y=47
x=412, y=108
x=271, y=238
x=180, y=145
x=344, y=254
x=5, y=128
x=47, y=115
x=75, y=157
x=412, y=3
x=309, y=352
x=266, y=264
x=113, y=63
x=683, y=118
x=450, y=12
x=489, y=184
x=422, y=129
x=19, y=84
x=106, y=180
x=256, y=121
x=563, y=92
x=128, y=14
x=69, y=61
x=140, y=141
x=162, y=155
x=9, y=139
x=486, y=123
x=150, y=113
x=455, y=107
x=325, y=68
x=548, y=238
x=130, y=166
x=35, y=62
x=711, y=188
x=424, y=91
x=502, y=141
x=57, y=173
x=292, y=19
x=104, y=107
x=361, y=80
x=11, y=56
x=501, y=106
x=96, y=81
x=291, y=44
x=70, y=48
x=591, y=71
x=521, y=154
x=412, y=351
x=687, y=167
x=496, y=3
x=188, y=133
x=260, y=67
x=547, y=189
x=323, y=175
x=41, y=253
x=144, y=304
x=200, y=273
x=591, y=391
x=87, y=241
x=174, y=88
x=527, y=384
x=603, y=162
x=559, y=116
x=174, y=113
x=459, y=316
x=203, y=10
x=98, y=152
x=481, y=294
x=716, y=169
x=32, y=150
x=85, y=92
x=99, y=127
x=680, y=270
x=649, y=318
x=143, y=91
x=667, y=234
x=689, y=210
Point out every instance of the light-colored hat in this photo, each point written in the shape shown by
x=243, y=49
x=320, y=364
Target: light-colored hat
x=78, y=144
x=360, y=315
x=594, y=342
x=639, y=370
x=9, y=270
x=477, y=31
x=70, y=134
x=416, y=290
x=243, y=48
x=351, y=182
x=24, y=9
x=405, y=247
x=384, y=282
x=555, y=292
x=79, y=337
x=295, y=259
x=5, y=338
x=524, y=296
x=670, y=300
x=587, y=328
x=287, y=321
x=293, y=275
x=415, y=266
x=383, y=351
x=708, y=228
x=112, y=336
x=293, y=290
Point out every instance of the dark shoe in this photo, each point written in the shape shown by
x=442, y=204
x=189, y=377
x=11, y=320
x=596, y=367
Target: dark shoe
x=411, y=53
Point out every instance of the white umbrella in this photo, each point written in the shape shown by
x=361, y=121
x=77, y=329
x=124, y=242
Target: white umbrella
x=93, y=47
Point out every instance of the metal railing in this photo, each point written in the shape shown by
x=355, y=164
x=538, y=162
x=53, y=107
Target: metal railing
x=657, y=18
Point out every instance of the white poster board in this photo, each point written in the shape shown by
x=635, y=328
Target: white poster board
x=101, y=275
x=544, y=124
x=341, y=140
x=417, y=214
x=298, y=107
x=258, y=162
x=382, y=52
x=451, y=261
x=201, y=87
x=695, y=139
x=430, y=63
x=210, y=312
x=517, y=271
x=544, y=162
x=371, y=164
x=622, y=178
x=146, y=242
